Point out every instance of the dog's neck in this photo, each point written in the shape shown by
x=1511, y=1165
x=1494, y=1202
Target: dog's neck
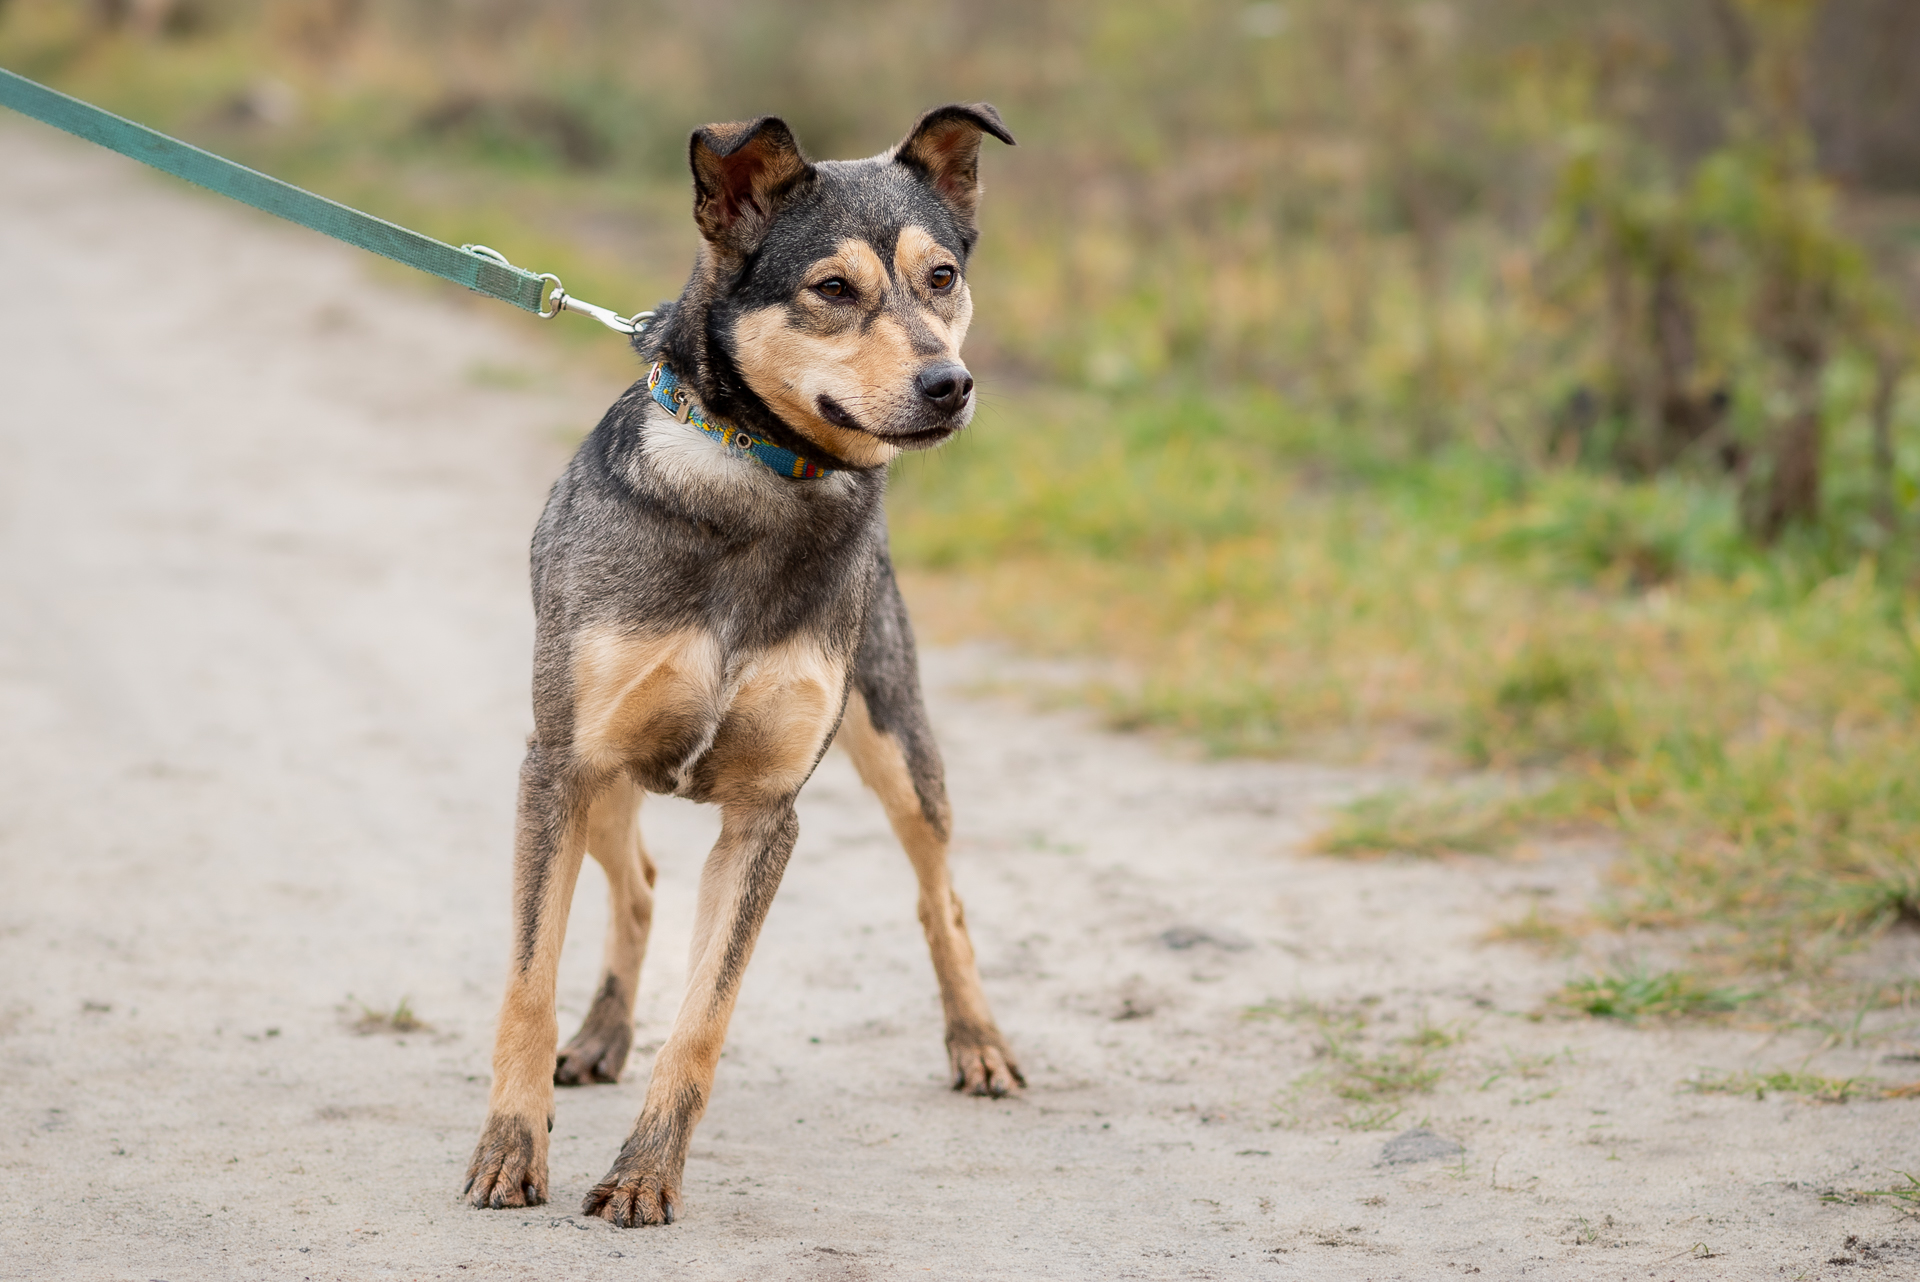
x=678, y=335
x=674, y=466
x=680, y=402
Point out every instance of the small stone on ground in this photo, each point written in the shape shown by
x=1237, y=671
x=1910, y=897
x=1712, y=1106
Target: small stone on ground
x=1418, y=1145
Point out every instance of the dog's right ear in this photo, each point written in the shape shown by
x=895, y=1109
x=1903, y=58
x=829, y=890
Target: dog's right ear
x=742, y=173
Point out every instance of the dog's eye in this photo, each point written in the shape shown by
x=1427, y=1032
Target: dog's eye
x=942, y=278
x=835, y=288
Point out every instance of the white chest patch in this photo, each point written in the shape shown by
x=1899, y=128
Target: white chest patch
x=692, y=462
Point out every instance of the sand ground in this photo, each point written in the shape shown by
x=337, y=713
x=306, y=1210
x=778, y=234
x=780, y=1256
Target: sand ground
x=264, y=640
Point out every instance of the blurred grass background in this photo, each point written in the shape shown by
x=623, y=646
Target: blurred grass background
x=1523, y=378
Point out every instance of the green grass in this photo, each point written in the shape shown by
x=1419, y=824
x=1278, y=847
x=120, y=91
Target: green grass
x=1519, y=1068
x=1746, y=727
x=1632, y=995
x=400, y=1019
x=1826, y=1090
x=1402, y=822
x=1905, y=1197
x=1372, y=1071
x=1547, y=932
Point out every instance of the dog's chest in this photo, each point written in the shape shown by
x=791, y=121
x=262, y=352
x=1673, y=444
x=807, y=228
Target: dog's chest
x=685, y=714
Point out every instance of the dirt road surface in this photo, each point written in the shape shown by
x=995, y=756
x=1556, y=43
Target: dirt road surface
x=264, y=643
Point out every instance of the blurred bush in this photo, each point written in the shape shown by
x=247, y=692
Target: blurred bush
x=1552, y=229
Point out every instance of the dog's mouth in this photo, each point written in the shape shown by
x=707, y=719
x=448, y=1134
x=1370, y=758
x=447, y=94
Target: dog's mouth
x=836, y=413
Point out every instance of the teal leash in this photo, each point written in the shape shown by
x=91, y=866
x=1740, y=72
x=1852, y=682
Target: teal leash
x=485, y=271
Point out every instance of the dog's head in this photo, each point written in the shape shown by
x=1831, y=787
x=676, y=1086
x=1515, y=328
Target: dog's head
x=837, y=292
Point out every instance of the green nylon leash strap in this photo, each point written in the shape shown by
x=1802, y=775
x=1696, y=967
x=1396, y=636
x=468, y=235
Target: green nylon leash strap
x=477, y=272
x=478, y=268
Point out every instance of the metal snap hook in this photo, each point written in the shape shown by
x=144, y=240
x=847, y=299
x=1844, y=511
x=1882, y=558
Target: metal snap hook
x=558, y=298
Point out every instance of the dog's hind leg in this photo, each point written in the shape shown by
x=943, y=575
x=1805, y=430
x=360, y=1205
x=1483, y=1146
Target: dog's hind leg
x=598, y=1051
x=509, y=1165
x=885, y=731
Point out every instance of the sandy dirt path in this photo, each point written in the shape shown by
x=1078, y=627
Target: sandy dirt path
x=263, y=652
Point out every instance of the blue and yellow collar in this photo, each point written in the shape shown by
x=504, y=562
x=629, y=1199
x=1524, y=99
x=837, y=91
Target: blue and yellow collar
x=678, y=401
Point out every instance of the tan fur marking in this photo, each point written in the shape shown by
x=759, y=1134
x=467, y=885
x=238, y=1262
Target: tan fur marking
x=754, y=736
x=883, y=766
x=629, y=687
x=791, y=369
x=613, y=839
x=523, y=1050
x=915, y=256
x=599, y=1050
x=685, y=1065
x=782, y=711
x=855, y=260
x=781, y=714
x=737, y=883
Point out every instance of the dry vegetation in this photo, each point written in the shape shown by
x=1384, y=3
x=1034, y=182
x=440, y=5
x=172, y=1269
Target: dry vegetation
x=1526, y=378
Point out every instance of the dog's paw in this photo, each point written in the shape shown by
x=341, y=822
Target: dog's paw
x=597, y=1052
x=509, y=1166
x=982, y=1064
x=632, y=1195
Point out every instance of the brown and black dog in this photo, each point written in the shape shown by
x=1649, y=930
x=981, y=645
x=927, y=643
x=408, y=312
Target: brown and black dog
x=715, y=601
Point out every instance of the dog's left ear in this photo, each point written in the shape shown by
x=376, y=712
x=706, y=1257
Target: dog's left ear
x=741, y=176
x=943, y=147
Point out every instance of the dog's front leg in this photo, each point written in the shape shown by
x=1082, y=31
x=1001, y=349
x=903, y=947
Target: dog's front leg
x=907, y=776
x=509, y=1166
x=736, y=888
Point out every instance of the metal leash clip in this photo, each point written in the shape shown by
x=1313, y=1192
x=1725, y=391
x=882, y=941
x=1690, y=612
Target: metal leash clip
x=561, y=301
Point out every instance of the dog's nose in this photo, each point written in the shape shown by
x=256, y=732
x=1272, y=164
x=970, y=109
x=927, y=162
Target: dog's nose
x=946, y=386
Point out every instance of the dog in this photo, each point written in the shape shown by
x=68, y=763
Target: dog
x=715, y=603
